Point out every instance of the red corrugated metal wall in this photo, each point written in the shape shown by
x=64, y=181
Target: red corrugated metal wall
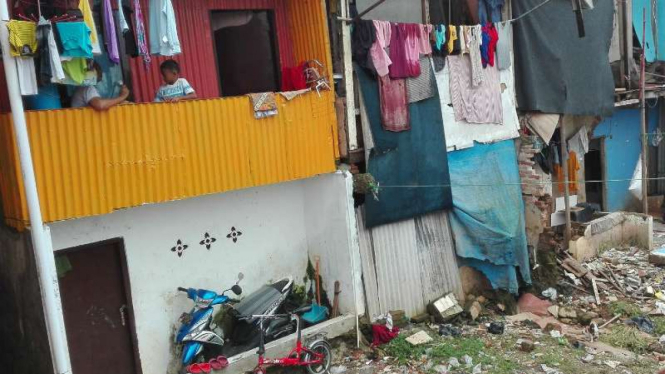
x=197, y=59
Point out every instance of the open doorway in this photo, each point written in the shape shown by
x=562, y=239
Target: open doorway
x=245, y=48
x=594, y=170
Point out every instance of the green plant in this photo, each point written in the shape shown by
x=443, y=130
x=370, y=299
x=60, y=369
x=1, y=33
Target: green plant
x=626, y=337
x=403, y=351
x=659, y=325
x=625, y=309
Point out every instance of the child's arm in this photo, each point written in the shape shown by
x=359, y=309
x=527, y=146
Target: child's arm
x=190, y=94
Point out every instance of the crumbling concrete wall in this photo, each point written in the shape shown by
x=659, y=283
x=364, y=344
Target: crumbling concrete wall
x=613, y=230
x=536, y=192
x=25, y=347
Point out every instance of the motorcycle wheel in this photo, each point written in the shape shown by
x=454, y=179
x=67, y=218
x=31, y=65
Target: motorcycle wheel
x=324, y=349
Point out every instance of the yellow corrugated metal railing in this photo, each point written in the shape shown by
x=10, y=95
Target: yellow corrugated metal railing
x=90, y=163
x=308, y=26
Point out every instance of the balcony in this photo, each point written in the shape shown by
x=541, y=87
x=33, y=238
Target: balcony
x=89, y=163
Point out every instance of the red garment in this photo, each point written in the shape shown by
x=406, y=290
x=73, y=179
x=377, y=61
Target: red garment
x=381, y=334
x=405, y=50
x=491, y=37
x=293, y=79
x=394, y=104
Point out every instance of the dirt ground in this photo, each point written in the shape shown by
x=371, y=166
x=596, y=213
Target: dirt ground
x=634, y=343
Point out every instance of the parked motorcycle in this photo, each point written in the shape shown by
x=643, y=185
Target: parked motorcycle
x=200, y=342
x=267, y=300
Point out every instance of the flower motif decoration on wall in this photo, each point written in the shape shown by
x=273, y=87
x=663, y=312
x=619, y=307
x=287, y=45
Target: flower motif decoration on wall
x=207, y=241
x=234, y=235
x=179, y=248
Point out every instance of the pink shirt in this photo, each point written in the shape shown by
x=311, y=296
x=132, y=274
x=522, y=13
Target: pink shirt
x=405, y=50
x=425, y=44
x=380, y=57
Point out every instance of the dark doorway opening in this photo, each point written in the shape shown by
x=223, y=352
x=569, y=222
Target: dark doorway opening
x=594, y=167
x=246, y=51
x=97, y=309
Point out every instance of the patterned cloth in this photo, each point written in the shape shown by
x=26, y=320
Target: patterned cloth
x=475, y=40
x=141, y=37
x=263, y=104
x=394, y=104
x=423, y=86
x=474, y=104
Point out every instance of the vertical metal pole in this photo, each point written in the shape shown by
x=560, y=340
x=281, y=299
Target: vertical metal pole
x=566, y=189
x=41, y=242
x=643, y=117
x=348, y=77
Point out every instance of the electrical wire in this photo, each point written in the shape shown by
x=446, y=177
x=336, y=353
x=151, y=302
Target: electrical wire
x=528, y=12
x=520, y=184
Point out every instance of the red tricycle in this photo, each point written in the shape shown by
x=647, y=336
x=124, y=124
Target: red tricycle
x=315, y=356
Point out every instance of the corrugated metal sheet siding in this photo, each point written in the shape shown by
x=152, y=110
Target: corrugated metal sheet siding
x=11, y=184
x=407, y=265
x=197, y=59
x=89, y=163
x=308, y=27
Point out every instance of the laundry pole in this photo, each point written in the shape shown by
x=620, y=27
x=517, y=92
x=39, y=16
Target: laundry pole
x=41, y=242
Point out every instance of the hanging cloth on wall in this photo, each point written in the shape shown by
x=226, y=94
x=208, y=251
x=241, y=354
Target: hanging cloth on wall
x=264, y=104
x=474, y=104
x=86, y=10
x=141, y=37
x=394, y=104
x=164, y=39
x=439, y=47
x=75, y=39
x=503, y=45
x=380, y=58
x=76, y=69
x=405, y=50
x=22, y=38
x=110, y=37
x=462, y=36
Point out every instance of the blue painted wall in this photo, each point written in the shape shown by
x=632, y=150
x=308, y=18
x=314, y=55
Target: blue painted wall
x=622, y=150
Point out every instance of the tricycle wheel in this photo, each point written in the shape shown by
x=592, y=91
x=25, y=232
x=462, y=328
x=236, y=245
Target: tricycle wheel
x=323, y=349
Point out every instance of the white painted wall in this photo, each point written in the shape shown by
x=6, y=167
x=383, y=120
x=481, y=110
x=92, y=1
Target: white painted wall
x=279, y=224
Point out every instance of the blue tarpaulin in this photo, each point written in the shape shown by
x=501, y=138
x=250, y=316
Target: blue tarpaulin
x=411, y=167
x=488, y=214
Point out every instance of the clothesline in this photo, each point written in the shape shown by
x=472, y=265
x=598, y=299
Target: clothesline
x=522, y=184
x=349, y=20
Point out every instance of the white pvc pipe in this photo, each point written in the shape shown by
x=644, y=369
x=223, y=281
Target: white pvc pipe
x=44, y=257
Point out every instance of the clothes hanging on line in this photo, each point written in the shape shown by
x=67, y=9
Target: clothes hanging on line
x=27, y=76
x=422, y=87
x=424, y=39
x=110, y=37
x=75, y=39
x=488, y=46
x=451, y=37
x=489, y=11
x=405, y=51
x=22, y=38
x=128, y=34
x=394, y=104
x=141, y=37
x=475, y=41
x=363, y=37
x=503, y=45
x=380, y=58
x=123, y=26
x=76, y=69
x=474, y=104
x=164, y=39
x=86, y=11
x=50, y=66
